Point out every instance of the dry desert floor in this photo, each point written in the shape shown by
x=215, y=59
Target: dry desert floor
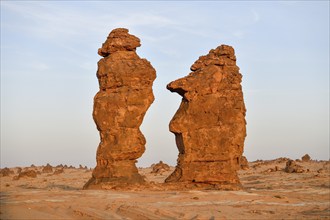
x=269, y=193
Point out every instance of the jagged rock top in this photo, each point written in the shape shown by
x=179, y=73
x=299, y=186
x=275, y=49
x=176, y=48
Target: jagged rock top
x=212, y=73
x=220, y=56
x=119, y=40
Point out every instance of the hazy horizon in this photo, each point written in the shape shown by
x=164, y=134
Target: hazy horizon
x=49, y=62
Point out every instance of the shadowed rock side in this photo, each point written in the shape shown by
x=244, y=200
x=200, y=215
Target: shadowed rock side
x=119, y=107
x=209, y=125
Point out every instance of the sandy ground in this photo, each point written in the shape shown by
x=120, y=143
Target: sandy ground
x=267, y=194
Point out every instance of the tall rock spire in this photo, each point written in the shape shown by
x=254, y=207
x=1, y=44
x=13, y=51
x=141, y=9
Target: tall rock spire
x=209, y=125
x=119, y=107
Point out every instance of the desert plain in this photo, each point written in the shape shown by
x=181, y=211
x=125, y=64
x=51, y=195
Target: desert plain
x=268, y=192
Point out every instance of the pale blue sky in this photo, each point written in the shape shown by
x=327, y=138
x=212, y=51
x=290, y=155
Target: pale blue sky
x=48, y=67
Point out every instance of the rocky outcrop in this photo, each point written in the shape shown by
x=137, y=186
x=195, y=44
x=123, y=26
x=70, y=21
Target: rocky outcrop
x=6, y=172
x=292, y=167
x=209, y=125
x=306, y=158
x=125, y=82
x=47, y=169
x=160, y=167
x=26, y=173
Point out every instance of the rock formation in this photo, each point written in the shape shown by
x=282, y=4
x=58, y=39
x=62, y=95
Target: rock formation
x=292, y=167
x=6, y=172
x=27, y=173
x=125, y=94
x=209, y=125
x=160, y=167
x=244, y=163
x=47, y=169
x=306, y=158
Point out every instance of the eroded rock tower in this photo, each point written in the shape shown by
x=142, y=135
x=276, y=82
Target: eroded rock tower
x=125, y=95
x=210, y=126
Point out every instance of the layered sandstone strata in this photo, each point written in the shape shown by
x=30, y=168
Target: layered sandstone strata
x=119, y=107
x=209, y=125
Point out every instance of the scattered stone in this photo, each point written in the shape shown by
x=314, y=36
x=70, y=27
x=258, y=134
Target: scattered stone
x=125, y=82
x=244, y=163
x=306, y=158
x=210, y=126
x=160, y=168
x=280, y=197
x=47, y=169
x=293, y=167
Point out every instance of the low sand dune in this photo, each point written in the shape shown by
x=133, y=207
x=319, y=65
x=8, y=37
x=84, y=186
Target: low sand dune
x=269, y=193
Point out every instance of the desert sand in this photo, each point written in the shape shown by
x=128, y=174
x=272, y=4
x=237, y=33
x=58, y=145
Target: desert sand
x=268, y=193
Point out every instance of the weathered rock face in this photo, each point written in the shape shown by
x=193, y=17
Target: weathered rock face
x=119, y=107
x=209, y=125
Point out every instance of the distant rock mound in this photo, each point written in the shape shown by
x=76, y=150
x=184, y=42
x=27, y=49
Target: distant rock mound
x=125, y=95
x=26, y=173
x=6, y=172
x=209, y=125
x=83, y=167
x=306, y=158
x=160, y=168
x=59, y=166
x=47, y=169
